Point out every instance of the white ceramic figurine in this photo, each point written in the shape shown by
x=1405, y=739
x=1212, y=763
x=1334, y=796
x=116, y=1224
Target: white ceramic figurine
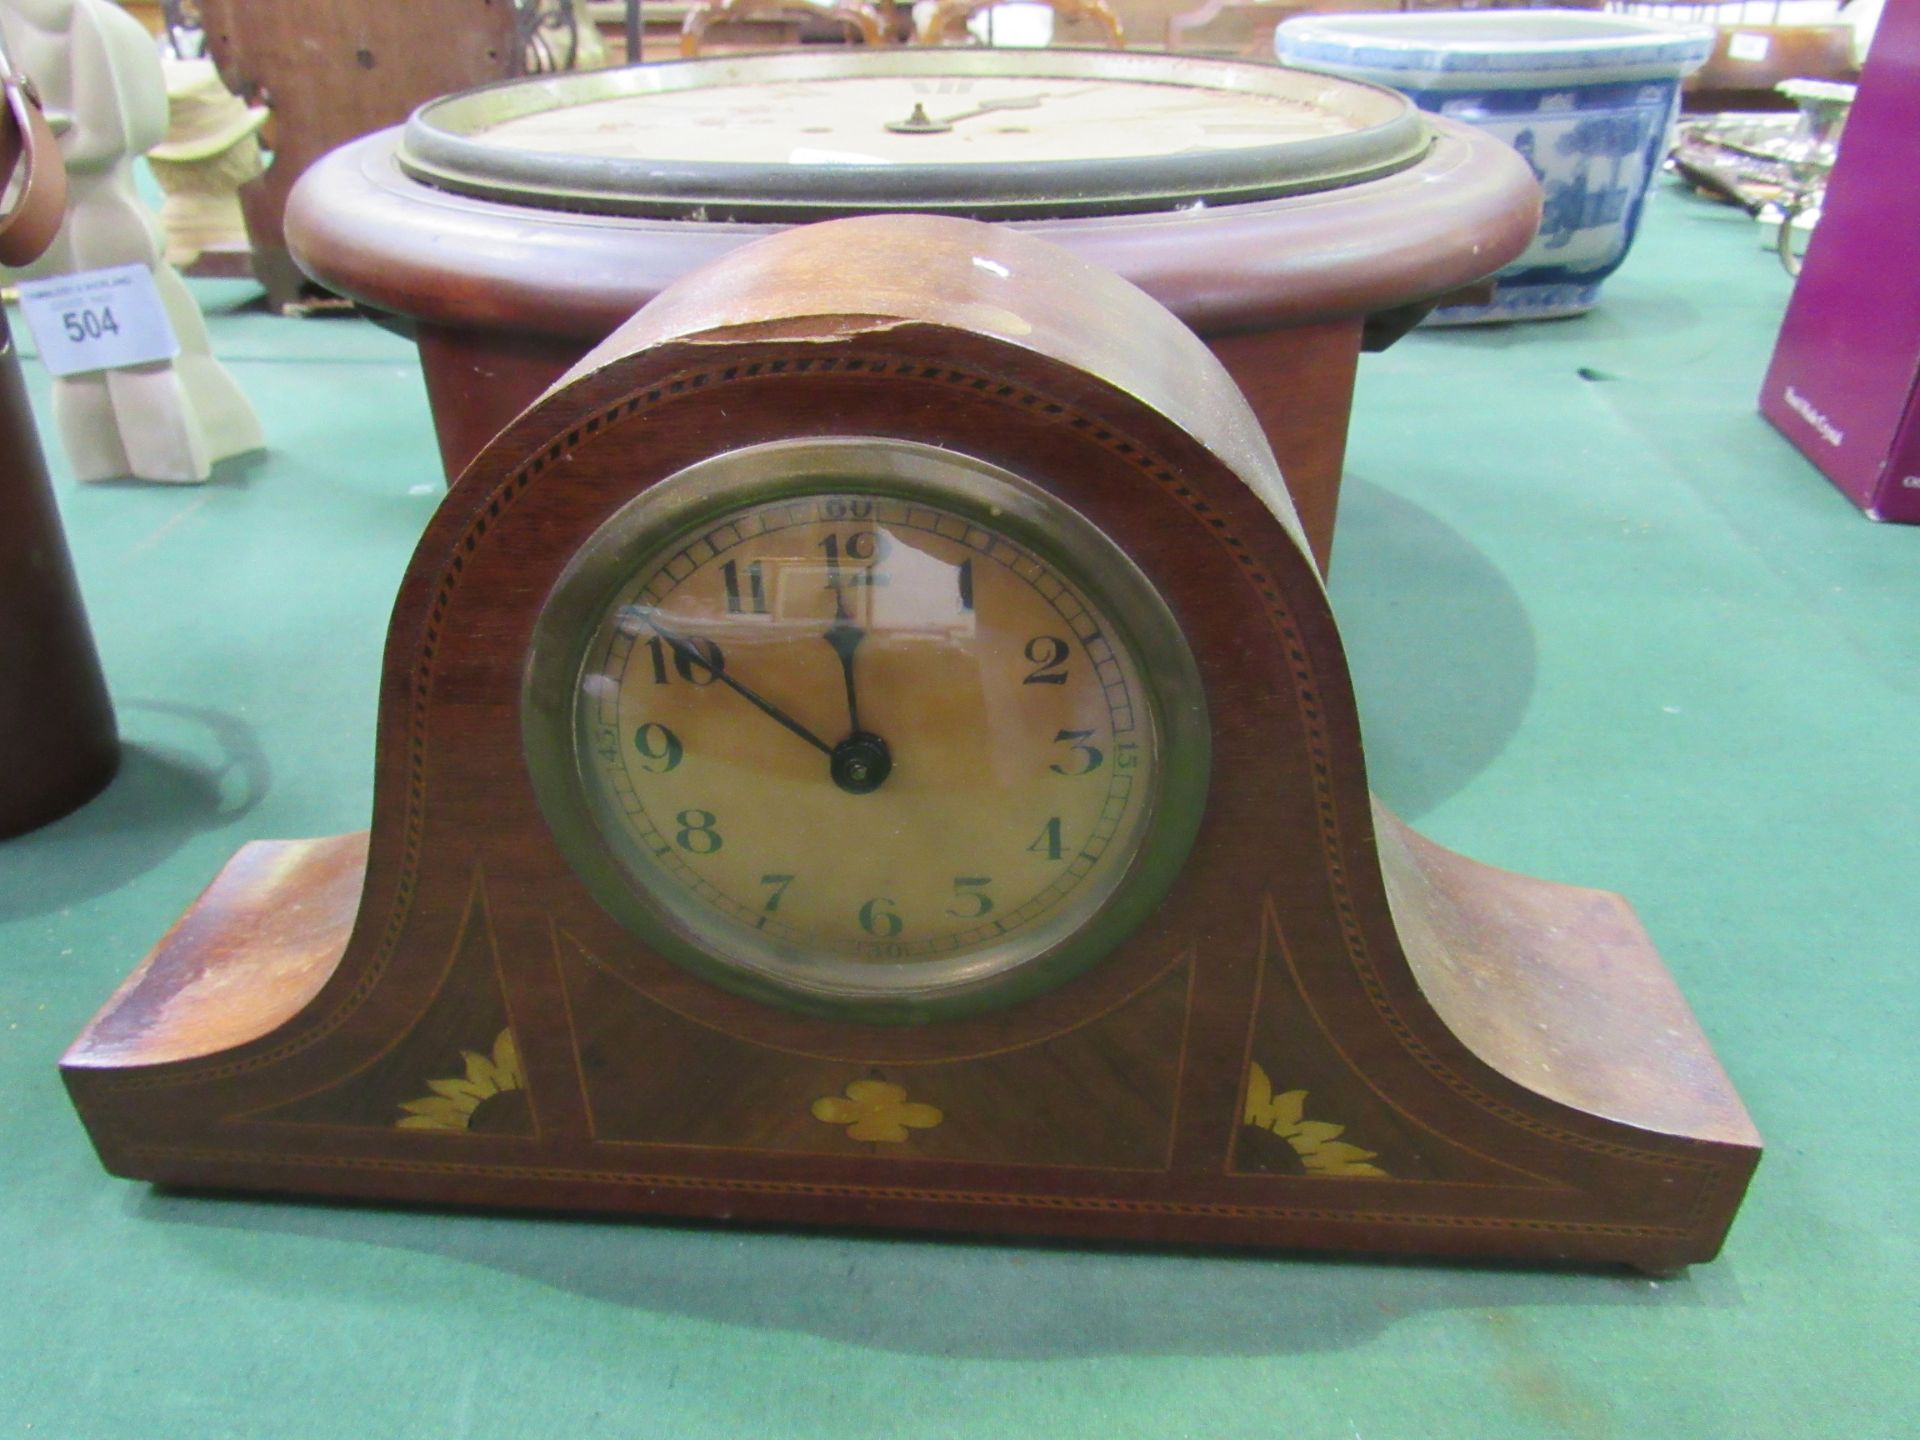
x=100, y=78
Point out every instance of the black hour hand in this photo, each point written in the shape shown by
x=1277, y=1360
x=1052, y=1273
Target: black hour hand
x=845, y=637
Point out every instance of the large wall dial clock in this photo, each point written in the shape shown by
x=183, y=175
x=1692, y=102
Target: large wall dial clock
x=870, y=745
x=982, y=132
x=1285, y=216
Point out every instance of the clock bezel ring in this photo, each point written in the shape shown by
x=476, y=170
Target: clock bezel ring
x=443, y=144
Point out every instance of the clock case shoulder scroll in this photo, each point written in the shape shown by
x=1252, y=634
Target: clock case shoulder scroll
x=1331, y=1034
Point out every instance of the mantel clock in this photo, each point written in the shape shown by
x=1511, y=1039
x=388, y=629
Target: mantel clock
x=870, y=745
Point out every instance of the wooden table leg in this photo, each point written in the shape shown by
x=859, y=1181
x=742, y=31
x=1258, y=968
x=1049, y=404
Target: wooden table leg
x=1299, y=382
x=478, y=380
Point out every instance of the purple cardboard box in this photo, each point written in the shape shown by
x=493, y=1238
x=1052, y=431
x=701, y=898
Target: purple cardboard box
x=1844, y=385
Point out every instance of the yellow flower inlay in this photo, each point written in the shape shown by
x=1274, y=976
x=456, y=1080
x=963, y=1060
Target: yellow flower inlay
x=1316, y=1142
x=876, y=1110
x=453, y=1102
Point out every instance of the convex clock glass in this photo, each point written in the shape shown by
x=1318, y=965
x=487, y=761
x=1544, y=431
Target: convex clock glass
x=866, y=728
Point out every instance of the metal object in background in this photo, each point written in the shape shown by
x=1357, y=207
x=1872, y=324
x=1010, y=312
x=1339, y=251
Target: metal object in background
x=558, y=35
x=1773, y=166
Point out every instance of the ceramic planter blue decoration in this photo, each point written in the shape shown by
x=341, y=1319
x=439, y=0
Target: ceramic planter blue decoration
x=1586, y=98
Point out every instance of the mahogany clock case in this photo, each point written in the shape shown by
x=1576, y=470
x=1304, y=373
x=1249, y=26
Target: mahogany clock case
x=1330, y=1034
x=509, y=268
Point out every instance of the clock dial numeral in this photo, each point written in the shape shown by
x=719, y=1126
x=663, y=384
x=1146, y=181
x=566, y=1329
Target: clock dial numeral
x=756, y=597
x=850, y=507
x=656, y=743
x=864, y=549
x=697, y=835
x=965, y=575
x=698, y=662
x=879, y=919
x=1049, y=656
x=1088, y=757
x=1048, y=842
x=971, y=891
x=779, y=884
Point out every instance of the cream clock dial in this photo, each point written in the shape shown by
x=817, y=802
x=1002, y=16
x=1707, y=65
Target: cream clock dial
x=868, y=727
x=907, y=119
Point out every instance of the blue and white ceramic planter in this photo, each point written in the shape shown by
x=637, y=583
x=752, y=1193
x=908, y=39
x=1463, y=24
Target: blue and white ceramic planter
x=1587, y=98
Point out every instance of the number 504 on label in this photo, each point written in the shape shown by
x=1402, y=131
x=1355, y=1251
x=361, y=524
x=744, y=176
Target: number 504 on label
x=98, y=320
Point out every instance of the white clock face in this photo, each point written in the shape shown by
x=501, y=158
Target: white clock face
x=907, y=119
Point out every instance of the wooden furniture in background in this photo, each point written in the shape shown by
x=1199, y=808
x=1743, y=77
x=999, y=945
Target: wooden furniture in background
x=859, y=19
x=1331, y=1033
x=330, y=70
x=169, y=420
x=1758, y=46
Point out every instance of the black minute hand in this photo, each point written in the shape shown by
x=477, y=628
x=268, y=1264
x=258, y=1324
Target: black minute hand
x=687, y=653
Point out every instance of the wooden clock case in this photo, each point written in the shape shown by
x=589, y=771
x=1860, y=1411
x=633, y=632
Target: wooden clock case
x=1331, y=1034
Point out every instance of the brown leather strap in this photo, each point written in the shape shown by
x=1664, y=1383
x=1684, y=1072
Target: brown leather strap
x=40, y=200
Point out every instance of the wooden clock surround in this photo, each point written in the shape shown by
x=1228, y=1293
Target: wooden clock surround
x=1331, y=1034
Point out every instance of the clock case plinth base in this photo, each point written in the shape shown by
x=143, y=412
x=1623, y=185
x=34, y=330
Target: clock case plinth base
x=1331, y=1034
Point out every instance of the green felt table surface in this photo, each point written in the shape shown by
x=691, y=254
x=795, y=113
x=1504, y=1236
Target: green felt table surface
x=1606, y=627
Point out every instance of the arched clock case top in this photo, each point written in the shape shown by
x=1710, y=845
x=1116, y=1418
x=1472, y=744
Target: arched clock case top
x=1329, y=1032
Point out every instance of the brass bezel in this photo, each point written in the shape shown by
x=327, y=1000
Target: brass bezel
x=445, y=143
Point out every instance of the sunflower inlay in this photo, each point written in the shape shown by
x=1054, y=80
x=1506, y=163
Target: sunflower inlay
x=876, y=1110
x=457, y=1100
x=1316, y=1142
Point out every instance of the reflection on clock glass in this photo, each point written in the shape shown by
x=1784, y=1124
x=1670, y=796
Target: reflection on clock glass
x=866, y=727
x=907, y=119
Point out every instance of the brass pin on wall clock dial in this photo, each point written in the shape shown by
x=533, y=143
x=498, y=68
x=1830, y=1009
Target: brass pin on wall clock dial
x=871, y=746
